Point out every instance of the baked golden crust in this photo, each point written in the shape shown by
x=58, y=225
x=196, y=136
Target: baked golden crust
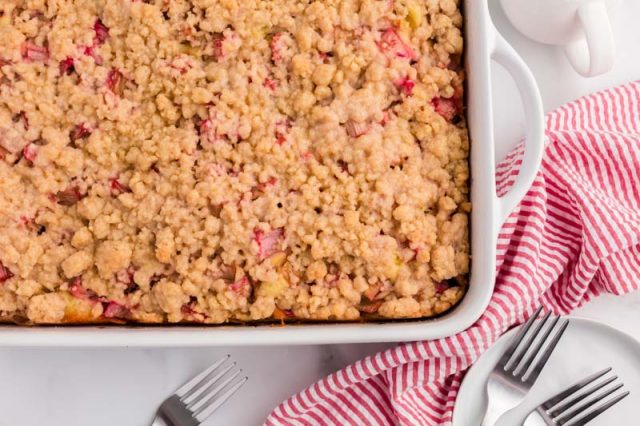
x=218, y=161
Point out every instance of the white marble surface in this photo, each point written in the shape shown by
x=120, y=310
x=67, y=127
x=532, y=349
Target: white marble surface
x=107, y=387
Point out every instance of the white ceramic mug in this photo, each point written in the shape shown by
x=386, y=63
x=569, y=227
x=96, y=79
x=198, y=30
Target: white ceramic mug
x=582, y=27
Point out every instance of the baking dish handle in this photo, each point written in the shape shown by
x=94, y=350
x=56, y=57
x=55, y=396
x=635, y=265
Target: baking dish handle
x=506, y=56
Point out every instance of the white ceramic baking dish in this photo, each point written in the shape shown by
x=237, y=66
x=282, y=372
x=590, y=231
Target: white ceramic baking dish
x=483, y=44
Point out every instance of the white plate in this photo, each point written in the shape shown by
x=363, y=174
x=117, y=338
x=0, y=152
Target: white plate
x=586, y=347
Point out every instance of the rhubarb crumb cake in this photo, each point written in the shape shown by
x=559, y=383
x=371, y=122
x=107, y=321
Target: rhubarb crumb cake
x=216, y=161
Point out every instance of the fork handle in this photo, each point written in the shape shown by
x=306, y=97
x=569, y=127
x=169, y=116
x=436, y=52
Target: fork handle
x=491, y=416
x=495, y=410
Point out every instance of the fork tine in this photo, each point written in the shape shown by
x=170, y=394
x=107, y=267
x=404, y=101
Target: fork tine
x=211, y=390
x=601, y=409
x=551, y=402
x=573, y=401
x=576, y=411
x=192, y=395
x=539, y=365
x=532, y=337
x=518, y=338
x=191, y=383
x=216, y=403
x=531, y=355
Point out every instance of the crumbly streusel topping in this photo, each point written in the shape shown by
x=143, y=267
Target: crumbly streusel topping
x=231, y=160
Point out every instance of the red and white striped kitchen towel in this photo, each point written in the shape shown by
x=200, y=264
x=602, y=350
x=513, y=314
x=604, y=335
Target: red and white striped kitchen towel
x=576, y=235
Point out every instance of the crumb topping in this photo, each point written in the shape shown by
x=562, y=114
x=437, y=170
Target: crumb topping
x=216, y=161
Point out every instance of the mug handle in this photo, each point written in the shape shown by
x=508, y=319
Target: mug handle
x=594, y=54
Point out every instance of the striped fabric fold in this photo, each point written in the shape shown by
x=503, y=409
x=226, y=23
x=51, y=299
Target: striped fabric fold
x=575, y=235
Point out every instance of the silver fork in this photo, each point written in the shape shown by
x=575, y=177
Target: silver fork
x=201, y=396
x=559, y=410
x=519, y=367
